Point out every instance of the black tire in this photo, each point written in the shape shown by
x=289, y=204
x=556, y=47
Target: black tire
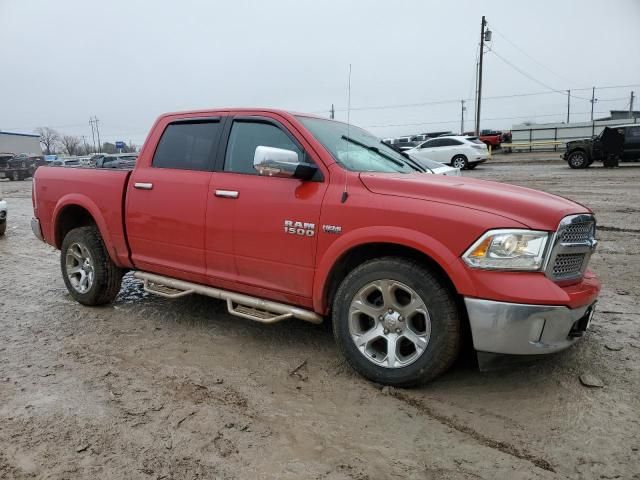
x=107, y=277
x=444, y=319
x=15, y=176
x=460, y=161
x=578, y=159
x=3, y=228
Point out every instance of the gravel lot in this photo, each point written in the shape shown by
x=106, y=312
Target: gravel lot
x=150, y=388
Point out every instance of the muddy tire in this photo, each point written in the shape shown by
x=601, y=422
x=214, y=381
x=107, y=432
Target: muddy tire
x=396, y=322
x=88, y=272
x=460, y=161
x=578, y=159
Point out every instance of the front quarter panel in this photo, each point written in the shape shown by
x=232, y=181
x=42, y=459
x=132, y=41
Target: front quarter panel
x=441, y=231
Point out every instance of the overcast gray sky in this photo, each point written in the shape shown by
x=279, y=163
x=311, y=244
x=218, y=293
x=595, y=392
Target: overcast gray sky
x=127, y=61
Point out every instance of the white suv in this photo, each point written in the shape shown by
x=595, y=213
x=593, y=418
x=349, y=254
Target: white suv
x=457, y=151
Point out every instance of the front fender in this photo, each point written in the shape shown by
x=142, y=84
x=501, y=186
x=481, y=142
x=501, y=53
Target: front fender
x=419, y=241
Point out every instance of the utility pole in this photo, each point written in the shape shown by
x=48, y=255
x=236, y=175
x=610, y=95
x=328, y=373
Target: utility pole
x=593, y=102
x=93, y=134
x=631, y=105
x=84, y=142
x=485, y=35
x=332, y=112
x=462, y=109
x=98, y=132
x=568, y=104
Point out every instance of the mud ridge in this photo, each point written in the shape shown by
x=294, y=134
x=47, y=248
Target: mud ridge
x=606, y=228
x=504, y=447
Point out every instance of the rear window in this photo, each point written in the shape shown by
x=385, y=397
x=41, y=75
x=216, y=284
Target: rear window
x=188, y=146
x=475, y=140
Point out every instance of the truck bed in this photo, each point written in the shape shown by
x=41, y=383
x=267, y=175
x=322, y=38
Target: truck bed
x=99, y=191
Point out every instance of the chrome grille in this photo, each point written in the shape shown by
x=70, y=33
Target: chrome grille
x=567, y=265
x=577, y=232
x=573, y=245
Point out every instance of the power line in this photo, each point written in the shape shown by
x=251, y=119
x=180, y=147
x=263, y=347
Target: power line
x=529, y=56
x=484, y=119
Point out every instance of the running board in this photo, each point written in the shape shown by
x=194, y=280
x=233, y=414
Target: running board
x=245, y=306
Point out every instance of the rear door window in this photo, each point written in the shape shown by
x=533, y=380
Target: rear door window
x=189, y=145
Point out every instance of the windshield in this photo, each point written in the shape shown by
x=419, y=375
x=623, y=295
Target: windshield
x=356, y=149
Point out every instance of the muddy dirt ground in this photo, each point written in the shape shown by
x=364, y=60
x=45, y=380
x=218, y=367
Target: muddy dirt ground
x=150, y=388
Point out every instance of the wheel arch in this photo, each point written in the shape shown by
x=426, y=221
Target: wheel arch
x=342, y=257
x=73, y=211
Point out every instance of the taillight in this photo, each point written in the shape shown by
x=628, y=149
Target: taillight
x=33, y=191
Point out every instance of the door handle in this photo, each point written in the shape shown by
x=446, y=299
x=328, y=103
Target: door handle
x=143, y=186
x=227, y=193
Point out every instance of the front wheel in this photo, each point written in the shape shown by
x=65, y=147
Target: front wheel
x=396, y=322
x=459, y=161
x=88, y=272
x=578, y=159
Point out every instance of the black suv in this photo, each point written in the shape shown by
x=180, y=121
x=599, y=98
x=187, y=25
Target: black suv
x=582, y=153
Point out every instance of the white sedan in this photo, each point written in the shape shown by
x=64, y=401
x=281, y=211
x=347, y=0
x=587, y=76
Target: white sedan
x=3, y=216
x=436, y=168
x=457, y=151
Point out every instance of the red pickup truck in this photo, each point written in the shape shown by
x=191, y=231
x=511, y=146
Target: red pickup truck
x=287, y=215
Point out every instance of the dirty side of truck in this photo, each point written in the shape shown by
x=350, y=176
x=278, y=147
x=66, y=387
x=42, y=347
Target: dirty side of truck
x=285, y=216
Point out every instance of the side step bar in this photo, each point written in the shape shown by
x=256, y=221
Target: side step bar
x=245, y=306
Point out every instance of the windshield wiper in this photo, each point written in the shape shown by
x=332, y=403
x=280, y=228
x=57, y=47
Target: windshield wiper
x=410, y=162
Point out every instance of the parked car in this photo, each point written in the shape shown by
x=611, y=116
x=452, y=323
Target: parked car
x=287, y=215
x=122, y=160
x=3, y=216
x=436, y=168
x=458, y=151
x=15, y=167
x=65, y=162
x=582, y=153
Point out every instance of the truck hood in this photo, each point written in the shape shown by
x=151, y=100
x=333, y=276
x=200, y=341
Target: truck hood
x=532, y=208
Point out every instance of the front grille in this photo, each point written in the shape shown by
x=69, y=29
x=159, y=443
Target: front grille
x=568, y=265
x=577, y=232
x=574, y=243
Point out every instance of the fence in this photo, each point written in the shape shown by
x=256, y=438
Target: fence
x=550, y=136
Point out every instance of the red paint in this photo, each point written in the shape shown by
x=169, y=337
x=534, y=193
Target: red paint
x=180, y=228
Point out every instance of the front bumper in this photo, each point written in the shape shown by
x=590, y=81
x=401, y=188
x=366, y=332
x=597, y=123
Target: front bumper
x=521, y=329
x=36, y=229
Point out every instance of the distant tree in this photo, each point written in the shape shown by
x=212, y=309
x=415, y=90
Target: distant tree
x=70, y=144
x=49, y=139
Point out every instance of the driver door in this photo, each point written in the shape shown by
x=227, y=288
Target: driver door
x=256, y=209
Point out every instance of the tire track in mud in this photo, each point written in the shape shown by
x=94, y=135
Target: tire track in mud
x=607, y=228
x=455, y=424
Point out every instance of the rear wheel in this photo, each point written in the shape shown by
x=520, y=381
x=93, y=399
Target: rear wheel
x=88, y=272
x=578, y=159
x=15, y=176
x=396, y=322
x=3, y=227
x=459, y=161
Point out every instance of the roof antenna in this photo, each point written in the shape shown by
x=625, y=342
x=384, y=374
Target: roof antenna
x=345, y=194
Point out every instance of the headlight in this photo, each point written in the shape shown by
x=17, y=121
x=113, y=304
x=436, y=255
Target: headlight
x=508, y=250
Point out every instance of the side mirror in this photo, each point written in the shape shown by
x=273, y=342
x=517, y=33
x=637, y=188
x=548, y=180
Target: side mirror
x=279, y=162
